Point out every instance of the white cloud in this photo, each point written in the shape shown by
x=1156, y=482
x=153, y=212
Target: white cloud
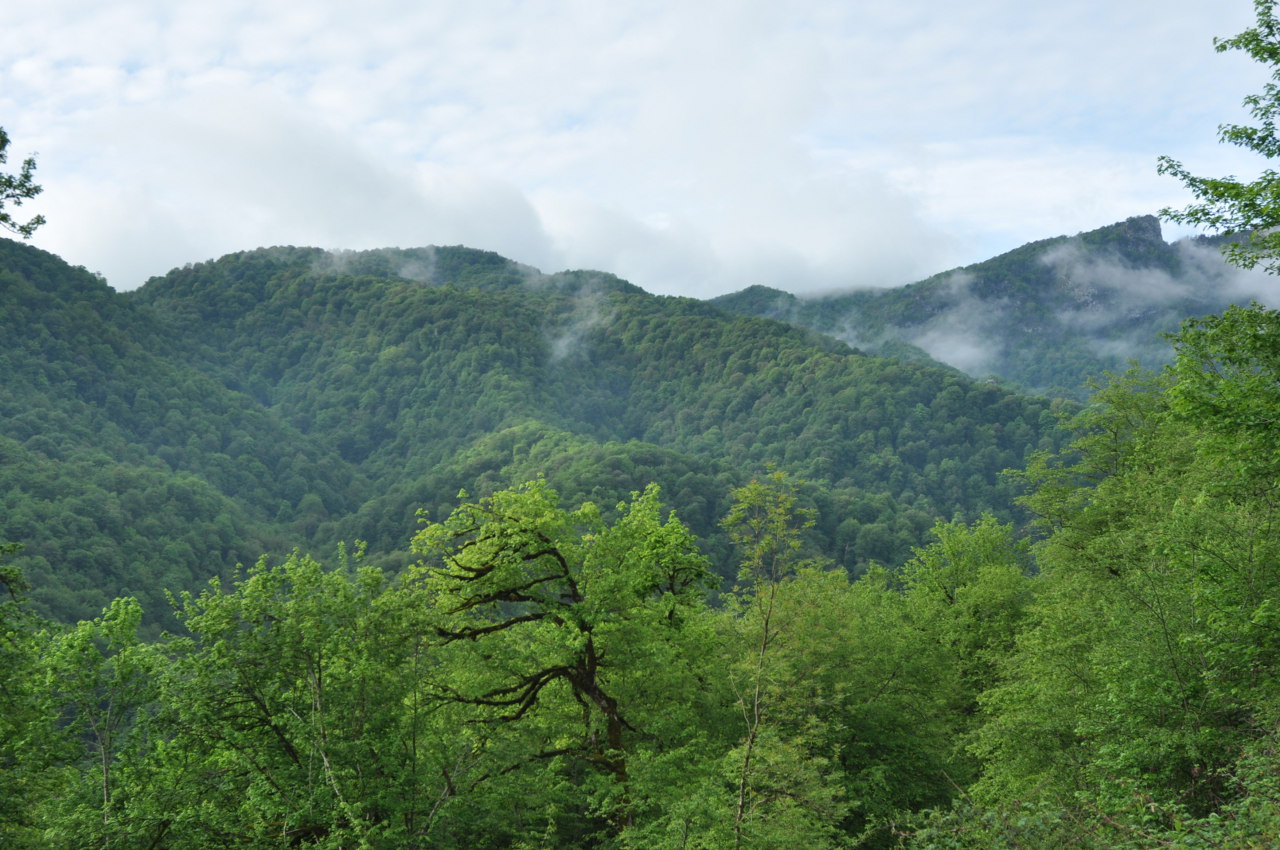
x=691, y=147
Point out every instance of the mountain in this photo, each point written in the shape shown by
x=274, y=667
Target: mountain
x=1046, y=316
x=551, y=672
x=114, y=456
x=295, y=397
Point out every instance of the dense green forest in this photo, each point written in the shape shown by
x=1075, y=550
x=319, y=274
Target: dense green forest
x=714, y=581
x=293, y=397
x=553, y=673
x=553, y=562
x=428, y=549
x=1047, y=316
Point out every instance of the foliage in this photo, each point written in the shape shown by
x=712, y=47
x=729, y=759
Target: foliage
x=1145, y=676
x=1226, y=380
x=99, y=681
x=23, y=728
x=1227, y=204
x=1046, y=316
x=784, y=794
x=15, y=189
x=293, y=712
x=566, y=641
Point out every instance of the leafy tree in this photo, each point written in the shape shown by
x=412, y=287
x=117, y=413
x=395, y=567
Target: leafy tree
x=1146, y=672
x=292, y=716
x=1228, y=204
x=967, y=593
x=15, y=189
x=100, y=679
x=1227, y=373
x=850, y=697
x=569, y=646
x=24, y=732
x=765, y=523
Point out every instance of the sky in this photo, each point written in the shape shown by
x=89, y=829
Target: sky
x=693, y=147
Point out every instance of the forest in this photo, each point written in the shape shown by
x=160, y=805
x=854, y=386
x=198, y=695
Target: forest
x=551, y=562
x=424, y=548
x=548, y=673
x=289, y=397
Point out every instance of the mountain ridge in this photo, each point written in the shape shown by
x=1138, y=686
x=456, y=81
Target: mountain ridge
x=1046, y=316
x=292, y=397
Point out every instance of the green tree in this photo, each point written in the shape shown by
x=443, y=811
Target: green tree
x=292, y=714
x=766, y=524
x=15, y=189
x=1145, y=676
x=850, y=698
x=1228, y=382
x=100, y=682
x=1227, y=204
x=969, y=590
x=24, y=731
x=568, y=647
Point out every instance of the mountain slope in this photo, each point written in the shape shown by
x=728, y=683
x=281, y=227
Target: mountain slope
x=293, y=397
x=1046, y=316
x=405, y=373
x=121, y=469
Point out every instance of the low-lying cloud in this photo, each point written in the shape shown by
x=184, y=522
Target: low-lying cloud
x=590, y=311
x=967, y=334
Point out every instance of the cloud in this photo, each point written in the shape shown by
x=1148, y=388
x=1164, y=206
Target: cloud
x=590, y=310
x=1103, y=290
x=1241, y=285
x=229, y=168
x=694, y=148
x=1107, y=290
x=966, y=334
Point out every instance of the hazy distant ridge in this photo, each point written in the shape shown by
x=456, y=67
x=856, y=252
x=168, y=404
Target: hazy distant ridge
x=1046, y=316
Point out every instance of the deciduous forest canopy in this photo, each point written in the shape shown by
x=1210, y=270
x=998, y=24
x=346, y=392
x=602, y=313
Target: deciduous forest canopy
x=426, y=548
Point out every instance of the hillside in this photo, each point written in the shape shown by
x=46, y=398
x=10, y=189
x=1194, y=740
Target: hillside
x=117, y=465
x=292, y=397
x=527, y=669
x=1046, y=316
x=461, y=367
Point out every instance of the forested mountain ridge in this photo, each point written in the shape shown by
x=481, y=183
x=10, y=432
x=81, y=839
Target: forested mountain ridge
x=367, y=364
x=540, y=670
x=1046, y=316
x=290, y=396
x=115, y=467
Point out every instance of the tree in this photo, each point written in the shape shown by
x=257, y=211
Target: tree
x=293, y=714
x=99, y=678
x=969, y=591
x=1227, y=204
x=24, y=727
x=1228, y=371
x=1142, y=687
x=849, y=698
x=15, y=189
x=765, y=524
x=564, y=647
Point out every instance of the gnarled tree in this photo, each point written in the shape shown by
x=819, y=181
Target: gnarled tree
x=563, y=636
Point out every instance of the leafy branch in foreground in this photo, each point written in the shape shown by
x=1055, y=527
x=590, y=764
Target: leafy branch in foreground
x=15, y=189
x=1229, y=205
